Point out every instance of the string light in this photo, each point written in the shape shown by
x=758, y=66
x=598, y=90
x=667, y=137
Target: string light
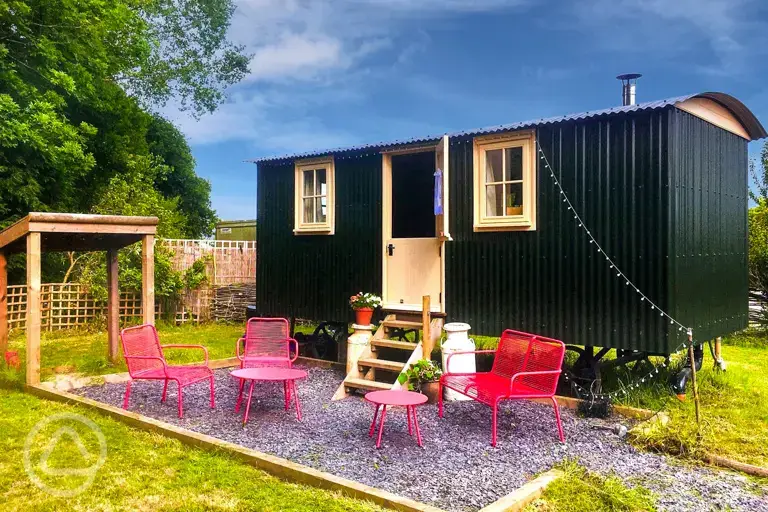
x=628, y=282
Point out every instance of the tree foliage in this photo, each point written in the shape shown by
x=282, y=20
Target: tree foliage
x=758, y=225
x=76, y=77
x=79, y=80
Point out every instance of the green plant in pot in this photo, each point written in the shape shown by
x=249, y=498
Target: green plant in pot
x=423, y=376
x=512, y=208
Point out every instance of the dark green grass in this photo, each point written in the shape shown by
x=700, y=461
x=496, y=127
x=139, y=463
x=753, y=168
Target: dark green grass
x=142, y=471
x=579, y=490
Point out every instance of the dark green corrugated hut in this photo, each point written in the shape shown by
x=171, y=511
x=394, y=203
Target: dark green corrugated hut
x=662, y=186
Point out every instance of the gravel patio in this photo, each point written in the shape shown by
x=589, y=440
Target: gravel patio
x=457, y=469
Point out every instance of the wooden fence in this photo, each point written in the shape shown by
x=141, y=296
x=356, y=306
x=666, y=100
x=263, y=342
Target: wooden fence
x=68, y=305
x=230, y=261
x=230, y=264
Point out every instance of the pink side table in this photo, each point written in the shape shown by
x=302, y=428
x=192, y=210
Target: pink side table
x=407, y=399
x=288, y=376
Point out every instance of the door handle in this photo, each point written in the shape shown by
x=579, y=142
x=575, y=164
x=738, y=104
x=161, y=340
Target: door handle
x=391, y=249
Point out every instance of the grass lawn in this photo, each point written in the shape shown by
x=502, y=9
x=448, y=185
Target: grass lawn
x=734, y=406
x=579, y=490
x=142, y=471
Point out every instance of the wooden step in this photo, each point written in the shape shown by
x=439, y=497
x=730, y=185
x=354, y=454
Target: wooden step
x=393, y=366
x=366, y=384
x=401, y=324
x=402, y=345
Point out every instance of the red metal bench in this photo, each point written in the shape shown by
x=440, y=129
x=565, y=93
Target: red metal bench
x=526, y=366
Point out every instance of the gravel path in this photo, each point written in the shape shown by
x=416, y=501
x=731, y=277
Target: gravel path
x=457, y=469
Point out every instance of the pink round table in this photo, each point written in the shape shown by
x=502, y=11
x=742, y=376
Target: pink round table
x=407, y=399
x=288, y=376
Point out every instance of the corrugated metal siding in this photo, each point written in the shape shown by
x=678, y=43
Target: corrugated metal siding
x=708, y=212
x=552, y=281
x=312, y=276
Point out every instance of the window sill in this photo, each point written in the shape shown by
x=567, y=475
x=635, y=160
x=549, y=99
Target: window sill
x=319, y=230
x=521, y=224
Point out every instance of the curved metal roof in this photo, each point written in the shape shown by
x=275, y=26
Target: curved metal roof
x=737, y=108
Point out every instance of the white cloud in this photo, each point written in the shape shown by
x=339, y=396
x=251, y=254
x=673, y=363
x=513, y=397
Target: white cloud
x=296, y=56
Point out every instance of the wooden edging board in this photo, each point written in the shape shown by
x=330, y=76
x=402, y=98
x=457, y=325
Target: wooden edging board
x=276, y=466
x=520, y=498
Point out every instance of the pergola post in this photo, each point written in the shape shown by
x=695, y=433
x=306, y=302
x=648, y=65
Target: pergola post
x=113, y=305
x=3, y=303
x=33, y=308
x=148, y=278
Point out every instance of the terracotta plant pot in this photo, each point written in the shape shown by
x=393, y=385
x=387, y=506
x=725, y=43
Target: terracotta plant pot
x=431, y=390
x=514, y=210
x=363, y=316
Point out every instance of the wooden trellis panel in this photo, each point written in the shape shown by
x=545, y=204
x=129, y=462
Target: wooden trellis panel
x=17, y=306
x=68, y=305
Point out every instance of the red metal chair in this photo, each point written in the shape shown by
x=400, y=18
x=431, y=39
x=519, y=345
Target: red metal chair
x=146, y=361
x=526, y=366
x=267, y=342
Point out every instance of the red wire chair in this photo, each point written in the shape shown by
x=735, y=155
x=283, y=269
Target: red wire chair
x=146, y=361
x=267, y=342
x=526, y=366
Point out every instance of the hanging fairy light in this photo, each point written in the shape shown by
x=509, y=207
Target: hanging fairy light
x=619, y=275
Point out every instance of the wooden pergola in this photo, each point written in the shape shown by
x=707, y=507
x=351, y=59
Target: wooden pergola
x=39, y=232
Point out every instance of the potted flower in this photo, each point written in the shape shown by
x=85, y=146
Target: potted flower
x=423, y=377
x=364, y=304
x=512, y=208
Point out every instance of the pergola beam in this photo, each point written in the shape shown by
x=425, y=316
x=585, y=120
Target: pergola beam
x=3, y=303
x=113, y=306
x=148, y=278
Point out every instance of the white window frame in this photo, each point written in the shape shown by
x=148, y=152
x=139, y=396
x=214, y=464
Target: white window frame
x=314, y=228
x=525, y=221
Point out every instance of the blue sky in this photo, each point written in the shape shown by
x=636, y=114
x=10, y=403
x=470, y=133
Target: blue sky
x=328, y=73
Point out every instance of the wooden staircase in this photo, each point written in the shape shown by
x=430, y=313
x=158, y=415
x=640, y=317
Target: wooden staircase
x=384, y=358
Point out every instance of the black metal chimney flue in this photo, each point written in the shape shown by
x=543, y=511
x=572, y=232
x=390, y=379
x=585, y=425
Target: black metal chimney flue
x=628, y=86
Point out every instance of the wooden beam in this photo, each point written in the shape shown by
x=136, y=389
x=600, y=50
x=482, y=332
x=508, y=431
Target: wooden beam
x=113, y=306
x=97, y=228
x=3, y=304
x=148, y=278
x=33, y=309
x=14, y=232
x=85, y=218
x=427, y=343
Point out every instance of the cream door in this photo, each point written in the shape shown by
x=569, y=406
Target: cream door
x=413, y=265
x=414, y=269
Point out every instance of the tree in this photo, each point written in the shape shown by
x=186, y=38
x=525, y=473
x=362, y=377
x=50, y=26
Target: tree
x=74, y=76
x=77, y=78
x=193, y=192
x=758, y=231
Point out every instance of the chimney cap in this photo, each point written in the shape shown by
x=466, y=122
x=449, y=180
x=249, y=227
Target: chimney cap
x=629, y=76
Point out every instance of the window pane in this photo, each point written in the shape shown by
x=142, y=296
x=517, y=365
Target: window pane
x=319, y=209
x=514, y=196
x=513, y=163
x=309, y=211
x=494, y=200
x=320, y=186
x=493, y=171
x=309, y=183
